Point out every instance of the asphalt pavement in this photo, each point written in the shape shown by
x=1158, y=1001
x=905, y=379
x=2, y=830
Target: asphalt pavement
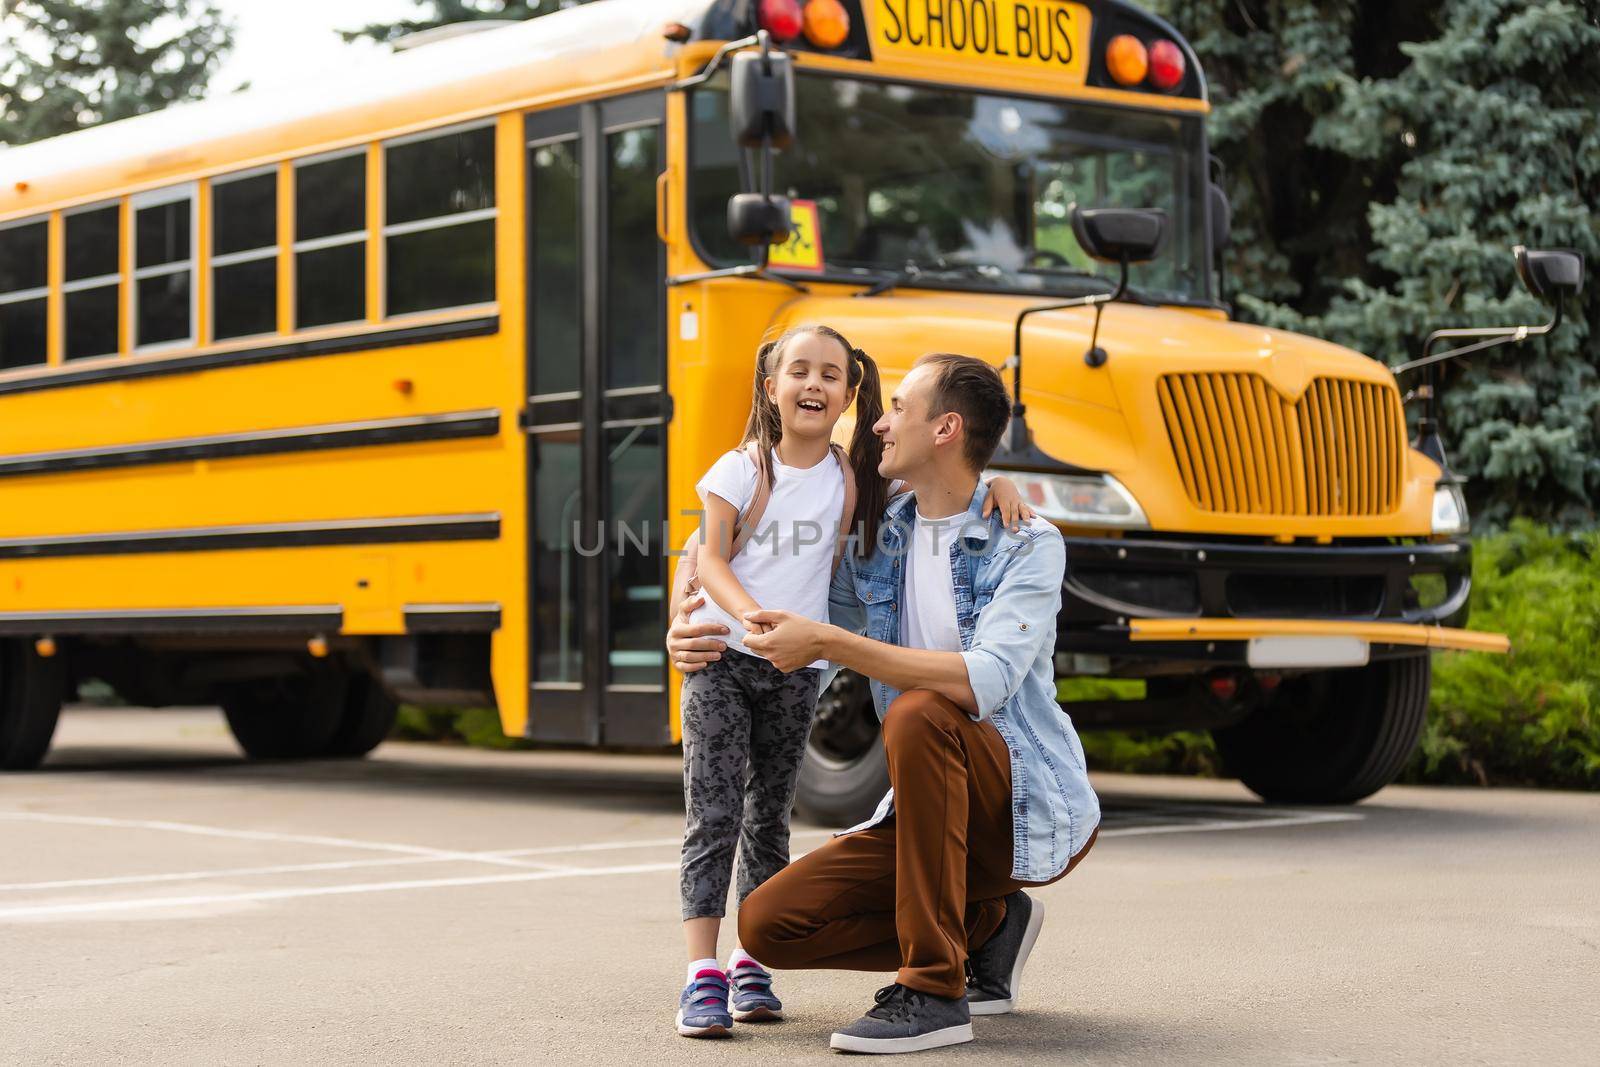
x=163, y=901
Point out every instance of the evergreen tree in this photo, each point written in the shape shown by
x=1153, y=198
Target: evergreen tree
x=69, y=64
x=1382, y=160
x=447, y=12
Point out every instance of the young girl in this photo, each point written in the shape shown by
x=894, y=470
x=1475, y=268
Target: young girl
x=745, y=722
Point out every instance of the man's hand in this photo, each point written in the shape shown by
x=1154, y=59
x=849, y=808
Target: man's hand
x=788, y=641
x=692, y=645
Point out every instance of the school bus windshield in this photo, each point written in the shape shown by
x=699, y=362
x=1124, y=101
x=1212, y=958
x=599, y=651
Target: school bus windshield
x=966, y=190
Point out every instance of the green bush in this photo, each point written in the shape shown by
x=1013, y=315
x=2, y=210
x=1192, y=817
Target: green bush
x=476, y=727
x=1532, y=717
x=1138, y=751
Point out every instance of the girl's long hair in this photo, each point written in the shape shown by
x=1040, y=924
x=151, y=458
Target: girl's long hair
x=765, y=427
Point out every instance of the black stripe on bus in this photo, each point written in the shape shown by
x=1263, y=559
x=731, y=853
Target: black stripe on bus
x=473, y=527
x=310, y=619
x=406, y=430
x=452, y=618
x=244, y=357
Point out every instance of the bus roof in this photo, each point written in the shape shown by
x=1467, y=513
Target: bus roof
x=597, y=44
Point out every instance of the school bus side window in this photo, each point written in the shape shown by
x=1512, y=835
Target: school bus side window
x=163, y=267
x=93, y=280
x=24, y=292
x=439, y=218
x=330, y=239
x=244, y=255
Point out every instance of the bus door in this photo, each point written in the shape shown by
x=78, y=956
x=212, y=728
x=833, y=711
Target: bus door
x=596, y=420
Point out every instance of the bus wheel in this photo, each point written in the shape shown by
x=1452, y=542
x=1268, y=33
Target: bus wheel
x=369, y=715
x=1331, y=737
x=30, y=703
x=844, y=774
x=292, y=717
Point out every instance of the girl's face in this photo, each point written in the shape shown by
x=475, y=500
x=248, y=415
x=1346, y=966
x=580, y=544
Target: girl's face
x=810, y=387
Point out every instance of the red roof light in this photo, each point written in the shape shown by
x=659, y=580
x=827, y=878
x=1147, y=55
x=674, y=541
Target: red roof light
x=1166, y=65
x=782, y=19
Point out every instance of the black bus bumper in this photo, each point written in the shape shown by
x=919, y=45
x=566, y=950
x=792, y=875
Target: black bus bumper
x=1111, y=581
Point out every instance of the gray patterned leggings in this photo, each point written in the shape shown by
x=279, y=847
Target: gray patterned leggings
x=744, y=734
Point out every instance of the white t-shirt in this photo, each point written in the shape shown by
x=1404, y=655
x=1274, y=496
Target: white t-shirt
x=787, y=564
x=928, y=617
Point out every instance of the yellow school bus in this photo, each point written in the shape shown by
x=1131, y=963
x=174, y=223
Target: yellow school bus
x=395, y=386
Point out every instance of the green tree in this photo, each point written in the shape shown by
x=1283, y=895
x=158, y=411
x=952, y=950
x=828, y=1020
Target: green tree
x=68, y=64
x=1382, y=159
x=446, y=12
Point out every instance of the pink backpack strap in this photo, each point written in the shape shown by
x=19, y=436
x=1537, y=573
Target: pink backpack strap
x=750, y=518
x=743, y=525
x=847, y=520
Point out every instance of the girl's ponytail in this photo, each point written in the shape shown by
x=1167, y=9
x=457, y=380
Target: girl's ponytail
x=866, y=450
x=765, y=425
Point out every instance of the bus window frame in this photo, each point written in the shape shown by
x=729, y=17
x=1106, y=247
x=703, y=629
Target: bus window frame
x=97, y=281
x=168, y=194
x=332, y=240
x=829, y=275
x=216, y=261
x=386, y=229
x=19, y=296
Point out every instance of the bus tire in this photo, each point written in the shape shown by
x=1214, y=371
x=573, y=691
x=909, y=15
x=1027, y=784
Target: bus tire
x=292, y=717
x=844, y=774
x=1331, y=737
x=369, y=715
x=31, y=689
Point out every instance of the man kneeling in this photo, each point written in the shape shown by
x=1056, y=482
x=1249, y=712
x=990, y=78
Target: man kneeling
x=953, y=617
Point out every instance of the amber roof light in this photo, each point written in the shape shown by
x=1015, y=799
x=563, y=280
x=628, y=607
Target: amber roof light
x=1127, y=59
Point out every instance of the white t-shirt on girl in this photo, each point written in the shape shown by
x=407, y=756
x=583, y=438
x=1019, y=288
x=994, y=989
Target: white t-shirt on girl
x=787, y=564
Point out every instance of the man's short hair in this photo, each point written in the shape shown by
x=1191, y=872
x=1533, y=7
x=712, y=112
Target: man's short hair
x=974, y=390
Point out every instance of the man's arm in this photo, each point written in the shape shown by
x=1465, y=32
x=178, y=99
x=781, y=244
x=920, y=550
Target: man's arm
x=1008, y=639
x=1013, y=628
x=795, y=641
x=690, y=646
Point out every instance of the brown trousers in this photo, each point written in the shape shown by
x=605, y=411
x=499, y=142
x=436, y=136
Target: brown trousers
x=918, y=891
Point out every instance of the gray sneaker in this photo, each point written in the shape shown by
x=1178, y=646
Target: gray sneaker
x=995, y=970
x=906, y=1020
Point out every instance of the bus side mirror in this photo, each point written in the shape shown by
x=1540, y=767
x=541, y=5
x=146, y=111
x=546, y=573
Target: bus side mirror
x=1120, y=235
x=1550, y=273
x=1221, y=218
x=761, y=100
x=754, y=219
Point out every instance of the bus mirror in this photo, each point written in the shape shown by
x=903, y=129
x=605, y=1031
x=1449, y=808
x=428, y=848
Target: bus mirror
x=761, y=100
x=1550, y=273
x=1120, y=235
x=754, y=219
x=1221, y=218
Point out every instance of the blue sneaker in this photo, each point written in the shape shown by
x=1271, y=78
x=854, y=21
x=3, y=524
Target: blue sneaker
x=703, y=1007
x=753, y=999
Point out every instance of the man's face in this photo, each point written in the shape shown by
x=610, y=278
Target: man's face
x=911, y=434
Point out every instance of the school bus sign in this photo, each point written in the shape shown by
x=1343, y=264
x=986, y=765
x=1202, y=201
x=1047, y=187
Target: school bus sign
x=803, y=249
x=1038, y=34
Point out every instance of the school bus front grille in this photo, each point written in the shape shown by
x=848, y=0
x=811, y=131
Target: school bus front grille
x=1242, y=448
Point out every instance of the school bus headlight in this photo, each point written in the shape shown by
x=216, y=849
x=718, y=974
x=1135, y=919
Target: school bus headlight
x=827, y=23
x=1449, y=509
x=1079, y=499
x=1127, y=59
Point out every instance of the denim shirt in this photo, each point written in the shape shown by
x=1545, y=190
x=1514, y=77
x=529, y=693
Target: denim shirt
x=1008, y=593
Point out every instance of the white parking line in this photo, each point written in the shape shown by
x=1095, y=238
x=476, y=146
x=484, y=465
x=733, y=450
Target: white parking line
x=140, y=904
x=262, y=835
x=1275, y=818
x=492, y=856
